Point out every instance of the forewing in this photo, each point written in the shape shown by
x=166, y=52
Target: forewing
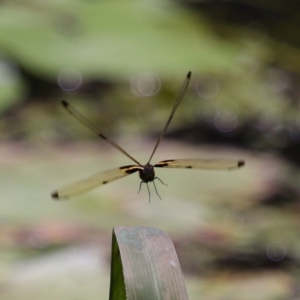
x=205, y=164
x=83, y=120
x=177, y=102
x=96, y=180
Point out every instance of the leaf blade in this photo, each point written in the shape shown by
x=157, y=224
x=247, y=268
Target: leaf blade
x=150, y=265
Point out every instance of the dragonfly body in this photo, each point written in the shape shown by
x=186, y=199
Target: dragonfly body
x=146, y=172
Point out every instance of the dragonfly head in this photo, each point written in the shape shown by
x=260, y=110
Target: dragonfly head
x=147, y=173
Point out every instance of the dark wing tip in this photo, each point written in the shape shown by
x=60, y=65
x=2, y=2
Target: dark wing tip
x=54, y=195
x=241, y=163
x=64, y=103
x=189, y=74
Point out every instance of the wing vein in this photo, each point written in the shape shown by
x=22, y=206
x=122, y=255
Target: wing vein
x=94, y=181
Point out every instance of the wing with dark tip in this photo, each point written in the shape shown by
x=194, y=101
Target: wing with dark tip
x=205, y=164
x=94, y=181
x=177, y=102
x=83, y=120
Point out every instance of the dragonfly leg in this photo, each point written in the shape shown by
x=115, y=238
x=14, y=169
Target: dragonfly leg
x=155, y=190
x=147, y=188
x=159, y=180
x=148, y=191
x=140, y=186
x=154, y=187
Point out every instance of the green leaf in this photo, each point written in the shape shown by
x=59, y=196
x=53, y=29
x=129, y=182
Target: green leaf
x=144, y=265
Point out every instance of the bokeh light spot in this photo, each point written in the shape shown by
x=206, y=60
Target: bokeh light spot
x=269, y=123
x=276, y=251
x=146, y=84
x=69, y=79
x=226, y=121
x=207, y=86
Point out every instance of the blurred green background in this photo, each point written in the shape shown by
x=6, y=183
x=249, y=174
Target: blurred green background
x=122, y=64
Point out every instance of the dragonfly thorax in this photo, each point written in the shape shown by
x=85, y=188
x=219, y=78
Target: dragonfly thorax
x=147, y=173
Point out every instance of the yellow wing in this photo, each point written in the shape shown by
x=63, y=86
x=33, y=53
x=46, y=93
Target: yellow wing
x=94, y=181
x=205, y=164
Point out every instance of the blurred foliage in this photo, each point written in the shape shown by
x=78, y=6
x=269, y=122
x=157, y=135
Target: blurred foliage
x=110, y=39
x=122, y=64
x=104, y=45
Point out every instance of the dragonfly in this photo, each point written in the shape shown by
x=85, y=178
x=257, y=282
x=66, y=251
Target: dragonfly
x=146, y=172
